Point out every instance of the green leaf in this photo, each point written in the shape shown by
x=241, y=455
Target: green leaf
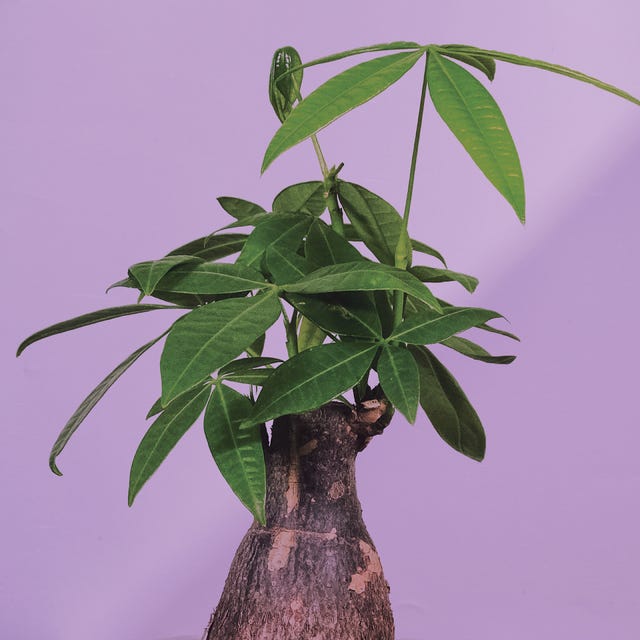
x=421, y=247
x=285, y=266
x=474, y=351
x=305, y=197
x=88, y=319
x=476, y=120
x=483, y=63
x=211, y=278
x=255, y=377
x=149, y=273
x=91, y=401
x=284, y=85
x=428, y=328
x=447, y=407
x=431, y=274
x=249, y=221
x=208, y=337
x=310, y=335
x=337, y=96
x=489, y=329
x=237, y=450
x=284, y=229
x=375, y=221
x=398, y=374
x=324, y=246
x=349, y=314
x=541, y=64
x=362, y=276
x=156, y=408
x=238, y=208
x=246, y=364
x=127, y=282
x=163, y=435
x=211, y=248
x=311, y=378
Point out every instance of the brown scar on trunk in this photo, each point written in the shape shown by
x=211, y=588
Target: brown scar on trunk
x=307, y=448
x=337, y=489
x=372, y=568
x=283, y=542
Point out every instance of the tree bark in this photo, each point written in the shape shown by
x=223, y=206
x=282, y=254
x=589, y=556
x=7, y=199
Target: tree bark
x=312, y=573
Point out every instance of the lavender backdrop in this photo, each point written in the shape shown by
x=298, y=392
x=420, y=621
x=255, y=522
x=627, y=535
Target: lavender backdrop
x=120, y=124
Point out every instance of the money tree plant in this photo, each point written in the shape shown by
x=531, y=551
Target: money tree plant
x=334, y=262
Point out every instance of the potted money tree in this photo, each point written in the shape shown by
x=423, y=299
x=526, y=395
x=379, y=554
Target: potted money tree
x=334, y=263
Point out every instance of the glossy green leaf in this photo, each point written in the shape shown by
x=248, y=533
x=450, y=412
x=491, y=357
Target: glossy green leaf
x=305, y=197
x=237, y=450
x=337, y=96
x=128, y=283
x=246, y=364
x=447, y=407
x=375, y=221
x=209, y=278
x=255, y=377
x=284, y=83
x=428, y=328
x=421, y=247
x=324, y=246
x=148, y=274
x=349, y=314
x=431, y=274
x=483, y=63
x=238, y=208
x=474, y=351
x=506, y=334
x=283, y=229
x=91, y=401
x=163, y=435
x=310, y=335
x=308, y=380
x=211, y=248
x=155, y=409
x=362, y=276
x=285, y=266
x=399, y=378
x=541, y=64
x=476, y=120
x=209, y=337
x=88, y=319
x=248, y=221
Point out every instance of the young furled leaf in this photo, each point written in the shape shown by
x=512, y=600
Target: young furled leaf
x=240, y=209
x=474, y=351
x=164, y=434
x=399, y=378
x=447, y=407
x=481, y=62
x=285, y=80
x=475, y=119
x=211, y=336
x=309, y=379
x=432, y=274
x=237, y=450
x=337, y=96
x=305, y=197
x=91, y=401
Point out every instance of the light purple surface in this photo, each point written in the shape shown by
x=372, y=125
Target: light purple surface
x=120, y=122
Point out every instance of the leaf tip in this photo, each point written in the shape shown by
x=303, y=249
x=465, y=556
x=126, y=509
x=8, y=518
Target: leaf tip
x=53, y=466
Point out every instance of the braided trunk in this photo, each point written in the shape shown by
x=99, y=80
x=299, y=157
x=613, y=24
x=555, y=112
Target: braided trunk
x=312, y=573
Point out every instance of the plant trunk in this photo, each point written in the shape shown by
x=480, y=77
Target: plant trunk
x=312, y=573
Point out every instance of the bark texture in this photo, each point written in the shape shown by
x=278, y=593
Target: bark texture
x=312, y=573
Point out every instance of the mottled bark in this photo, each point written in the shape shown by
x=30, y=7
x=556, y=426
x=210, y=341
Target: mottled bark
x=312, y=573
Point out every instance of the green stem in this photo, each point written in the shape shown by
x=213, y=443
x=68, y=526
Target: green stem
x=290, y=330
x=403, y=250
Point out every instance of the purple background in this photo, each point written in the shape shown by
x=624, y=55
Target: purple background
x=120, y=124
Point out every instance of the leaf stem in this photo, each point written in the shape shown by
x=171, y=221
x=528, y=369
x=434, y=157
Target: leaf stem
x=403, y=250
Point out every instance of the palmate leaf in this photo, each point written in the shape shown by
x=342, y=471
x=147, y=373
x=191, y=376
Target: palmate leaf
x=209, y=337
x=209, y=278
x=90, y=318
x=284, y=265
x=375, y=221
x=362, y=276
x=284, y=229
x=284, y=84
x=237, y=450
x=148, y=274
x=305, y=197
x=164, y=434
x=399, y=378
x=211, y=248
x=432, y=274
x=238, y=208
x=447, y=407
x=481, y=62
x=91, y=401
x=337, y=96
x=324, y=246
x=475, y=119
x=311, y=378
x=474, y=351
x=428, y=328
x=539, y=64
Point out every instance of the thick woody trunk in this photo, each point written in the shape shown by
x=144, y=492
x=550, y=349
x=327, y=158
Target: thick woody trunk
x=313, y=572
